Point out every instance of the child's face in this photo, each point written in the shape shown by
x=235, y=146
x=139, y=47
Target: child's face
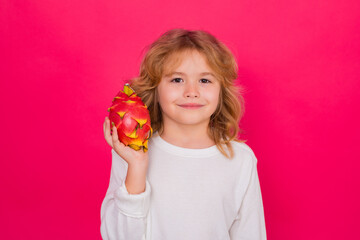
x=190, y=84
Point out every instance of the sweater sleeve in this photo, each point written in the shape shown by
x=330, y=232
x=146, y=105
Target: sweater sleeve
x=249, y=223
x=123, y=215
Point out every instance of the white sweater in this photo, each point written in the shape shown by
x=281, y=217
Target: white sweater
x=190, y=194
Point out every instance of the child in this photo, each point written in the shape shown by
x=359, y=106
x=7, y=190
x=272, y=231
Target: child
x=197, y=180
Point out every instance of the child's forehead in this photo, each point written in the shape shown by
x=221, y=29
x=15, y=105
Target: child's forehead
x=175, y=59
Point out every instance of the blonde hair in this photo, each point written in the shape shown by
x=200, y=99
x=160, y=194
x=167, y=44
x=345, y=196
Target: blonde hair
x=223, y=126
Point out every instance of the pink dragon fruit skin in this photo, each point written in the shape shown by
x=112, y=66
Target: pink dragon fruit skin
x=132, y=119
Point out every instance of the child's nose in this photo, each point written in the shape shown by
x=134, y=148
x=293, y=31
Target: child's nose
x=191, y=90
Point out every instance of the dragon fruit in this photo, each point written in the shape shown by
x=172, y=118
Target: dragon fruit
x=132, y=119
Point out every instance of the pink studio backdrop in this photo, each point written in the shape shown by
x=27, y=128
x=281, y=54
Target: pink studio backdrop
x=62, y=63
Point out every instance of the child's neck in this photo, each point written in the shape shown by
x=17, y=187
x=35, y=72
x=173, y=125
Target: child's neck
x=188, y=138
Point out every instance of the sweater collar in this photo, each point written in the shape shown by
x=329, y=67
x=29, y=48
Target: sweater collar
x=185, y=152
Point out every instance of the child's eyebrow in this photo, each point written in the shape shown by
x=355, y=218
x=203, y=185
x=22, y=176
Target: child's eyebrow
x=183, y=74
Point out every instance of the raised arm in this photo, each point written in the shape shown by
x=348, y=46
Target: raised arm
x=125, y=207
x=124, y=215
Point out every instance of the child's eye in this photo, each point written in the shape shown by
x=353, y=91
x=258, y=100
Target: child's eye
x=202, y=80
x=206, y=80
x=175, y=79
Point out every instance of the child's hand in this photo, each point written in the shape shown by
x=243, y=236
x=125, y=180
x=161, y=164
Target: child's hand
x=131, y=156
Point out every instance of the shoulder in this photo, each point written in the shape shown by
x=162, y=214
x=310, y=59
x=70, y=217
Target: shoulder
x=243, y=150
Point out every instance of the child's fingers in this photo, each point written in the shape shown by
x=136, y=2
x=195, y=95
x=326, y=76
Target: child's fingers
x=104, y=126
x=111, y=136
x=107, y=134
x=117, y=145
x=115, y=138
